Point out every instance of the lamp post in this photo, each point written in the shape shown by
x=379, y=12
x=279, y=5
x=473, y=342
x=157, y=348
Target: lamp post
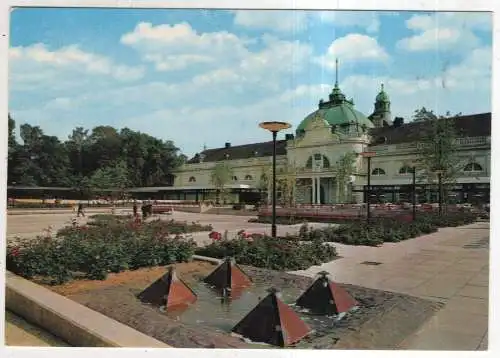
x=439, y=173
x=274, y=128
x=414, y=192
x=368, y=156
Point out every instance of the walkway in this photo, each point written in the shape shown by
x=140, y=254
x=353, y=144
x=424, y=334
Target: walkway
x=451, y=266
x=18, y=332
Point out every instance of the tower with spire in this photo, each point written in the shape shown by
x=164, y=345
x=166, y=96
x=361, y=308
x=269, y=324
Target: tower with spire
x=336, y=97
x=381, y=115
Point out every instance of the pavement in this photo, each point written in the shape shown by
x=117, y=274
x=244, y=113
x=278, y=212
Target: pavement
x=20, y=333
x=450, y=266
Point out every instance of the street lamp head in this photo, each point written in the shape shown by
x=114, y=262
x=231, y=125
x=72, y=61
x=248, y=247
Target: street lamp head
x=275, y=126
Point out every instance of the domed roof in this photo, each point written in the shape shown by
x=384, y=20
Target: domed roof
x=337, y=111
x=382, y=95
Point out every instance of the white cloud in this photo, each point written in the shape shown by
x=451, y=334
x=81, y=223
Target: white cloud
x=463, y=87
x=27, y=61
x=353, y=47
x=277, y=20
x=448, y=31
x=179, y=46
x=219, y=58
x=369, y=20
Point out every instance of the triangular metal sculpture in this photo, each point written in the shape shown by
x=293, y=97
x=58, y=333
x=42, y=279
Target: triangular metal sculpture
x=229, y=278
x=326, y=297
x=168, y=291
x=272, y=322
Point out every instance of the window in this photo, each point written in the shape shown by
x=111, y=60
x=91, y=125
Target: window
x=473, y=167
x=309, y=163
x=235, y=178
x=192, y=179
x=378, y=171
x=406, y=170
x=326, y=162
x=248, y=177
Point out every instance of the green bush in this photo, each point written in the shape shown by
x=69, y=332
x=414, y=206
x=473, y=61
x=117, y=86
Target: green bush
x=95, y=250
x=380, y=230
x=272, y=253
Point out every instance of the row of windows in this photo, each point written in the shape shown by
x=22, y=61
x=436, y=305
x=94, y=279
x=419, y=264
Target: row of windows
x=471, y=167
x=405, y=170
x=234, y=178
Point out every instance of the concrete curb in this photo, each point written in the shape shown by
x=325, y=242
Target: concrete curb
x=212, y=260
x=74, y=323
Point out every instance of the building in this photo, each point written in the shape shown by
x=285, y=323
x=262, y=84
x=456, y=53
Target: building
x=322, y=139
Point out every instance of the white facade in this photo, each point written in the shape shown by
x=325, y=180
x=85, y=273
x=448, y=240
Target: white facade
x=316, y=182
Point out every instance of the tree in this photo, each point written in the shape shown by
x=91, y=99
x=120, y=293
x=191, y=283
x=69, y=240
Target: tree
x=221, y=174
x=264, y=183
x=287, y=184
x=438, y=149
x=12, y=150
x=113, y=176
x=89, y=156
x=344, y=167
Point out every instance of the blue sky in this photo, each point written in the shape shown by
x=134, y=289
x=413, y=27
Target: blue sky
x=206, y=77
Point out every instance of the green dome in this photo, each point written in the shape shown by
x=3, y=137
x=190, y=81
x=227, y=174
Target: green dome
x=336, y=112
x=382, y=96
x=338, y=115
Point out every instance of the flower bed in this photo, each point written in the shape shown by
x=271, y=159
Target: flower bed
x=109, y=244
x=379, y=231
x=270, y=253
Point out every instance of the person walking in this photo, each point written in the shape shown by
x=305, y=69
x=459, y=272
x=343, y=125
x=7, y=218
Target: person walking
x=135, y=208
x=80, y=210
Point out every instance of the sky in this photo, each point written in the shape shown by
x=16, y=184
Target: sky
x=206, y=77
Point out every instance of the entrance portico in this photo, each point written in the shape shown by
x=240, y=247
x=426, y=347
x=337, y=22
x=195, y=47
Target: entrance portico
x=317, y=189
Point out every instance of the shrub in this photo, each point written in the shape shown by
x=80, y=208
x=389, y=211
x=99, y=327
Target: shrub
x=272, y=253
x=384, y=230
x=94, y=251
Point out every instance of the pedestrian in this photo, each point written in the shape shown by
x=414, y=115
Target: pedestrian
x=80, y=210
x=135, y=208
x=144, y=210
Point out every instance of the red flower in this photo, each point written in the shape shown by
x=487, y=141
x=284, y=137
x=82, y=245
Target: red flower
x=15, y=252
x=214, y=235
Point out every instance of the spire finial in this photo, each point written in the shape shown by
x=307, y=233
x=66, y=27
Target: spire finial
x=336, y=72
x=381, y=87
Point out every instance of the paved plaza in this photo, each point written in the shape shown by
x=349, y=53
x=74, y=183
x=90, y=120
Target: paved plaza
x=450, y=266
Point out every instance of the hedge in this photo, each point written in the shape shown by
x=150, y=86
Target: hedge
x=107, y=245
x=271, y=253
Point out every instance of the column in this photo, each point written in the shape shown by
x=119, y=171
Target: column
x=313, y=190
x=318, y=191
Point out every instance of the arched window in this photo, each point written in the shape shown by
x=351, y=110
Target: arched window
x=378, y=171
x=319, y=161
x=235, y=178
x=326, y=162
x=473, y=167
x=192, y=179
x=406, y=170
x=248, y=177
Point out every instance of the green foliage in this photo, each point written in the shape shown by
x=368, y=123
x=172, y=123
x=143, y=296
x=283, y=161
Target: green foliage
x=220, y=176
x=344, y=168
x=438, y=149
x=379, y=231
x=287, y=184
x=109, y=244
x=112, y=176
x=272, y=253
x=90, y=157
